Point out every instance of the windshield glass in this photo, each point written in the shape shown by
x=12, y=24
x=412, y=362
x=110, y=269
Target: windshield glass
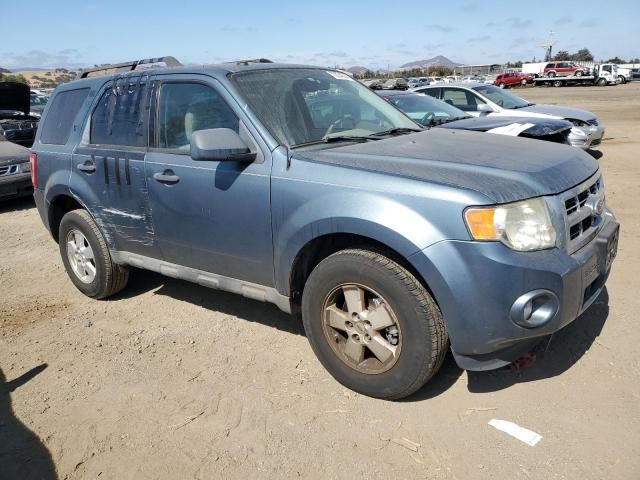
x=305, y=105
x=425, y=109
x=501, y=98
x=38, y=100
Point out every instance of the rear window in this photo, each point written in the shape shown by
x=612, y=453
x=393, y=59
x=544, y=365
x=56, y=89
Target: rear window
x=62, y=114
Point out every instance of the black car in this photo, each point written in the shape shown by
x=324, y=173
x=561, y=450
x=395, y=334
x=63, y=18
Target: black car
x=16, y=123
x=15, y=170
x=431, y=112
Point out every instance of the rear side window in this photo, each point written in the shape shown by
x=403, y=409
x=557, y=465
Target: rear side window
x=120, y=117
x=62, y=113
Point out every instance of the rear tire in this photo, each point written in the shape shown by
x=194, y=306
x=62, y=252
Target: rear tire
x=552, y=74
x=86, y=257
x=557, y=83
x=579, y=73
x=502, y=85
x=602, y=82
x=413, y=321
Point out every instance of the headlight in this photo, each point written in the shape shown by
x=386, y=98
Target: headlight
x=523, y=226
x=25, y=167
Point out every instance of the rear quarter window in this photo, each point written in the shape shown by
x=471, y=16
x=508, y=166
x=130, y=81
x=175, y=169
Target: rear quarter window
x=62, y=113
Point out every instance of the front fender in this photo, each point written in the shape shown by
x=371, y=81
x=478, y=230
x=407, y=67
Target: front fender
x=372, y=215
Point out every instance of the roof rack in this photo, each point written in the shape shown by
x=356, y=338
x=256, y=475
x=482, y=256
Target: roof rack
x=127, y=66
x=251, y=60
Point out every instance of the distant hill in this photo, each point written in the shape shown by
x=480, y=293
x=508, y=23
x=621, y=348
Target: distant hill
x=357, y=70
x=46, y=78
x=438, y=61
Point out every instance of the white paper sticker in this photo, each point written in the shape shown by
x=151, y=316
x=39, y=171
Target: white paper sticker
x=339, y=75
x=512, y=130
x=522, y=434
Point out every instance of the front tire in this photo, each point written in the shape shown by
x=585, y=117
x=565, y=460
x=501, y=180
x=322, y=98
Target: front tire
x=579, y=73
x=372, y=324
x=86, y=257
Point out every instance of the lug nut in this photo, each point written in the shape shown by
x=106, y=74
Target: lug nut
x=348, y=324
x=355, y=337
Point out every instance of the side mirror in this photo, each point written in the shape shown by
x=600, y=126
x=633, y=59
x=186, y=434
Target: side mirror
x=220, y=144
x=484, y=108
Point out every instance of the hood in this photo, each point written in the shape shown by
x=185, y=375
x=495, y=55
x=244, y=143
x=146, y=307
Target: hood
x=11, y=153
x=503, y=169
x=538, y=126
x=563, y=112
x=15, y=96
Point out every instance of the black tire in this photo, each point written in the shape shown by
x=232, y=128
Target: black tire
x=110, y=278
x=602, y=82
x=552, y=74
x=502, y=85
x=557, y=83
x=424, y=336
x=579, y=73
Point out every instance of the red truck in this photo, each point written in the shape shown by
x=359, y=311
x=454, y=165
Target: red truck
x=564, y=69
x=510, y=79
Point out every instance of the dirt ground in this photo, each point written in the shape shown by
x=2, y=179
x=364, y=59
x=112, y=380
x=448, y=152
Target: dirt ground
x=173, y=380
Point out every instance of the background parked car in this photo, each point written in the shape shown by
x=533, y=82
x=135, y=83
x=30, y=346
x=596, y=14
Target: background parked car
x=431, y=112
x=511, y=79
x=16, y=124
x=480, y=99
x=564, y=69
x=15, y=170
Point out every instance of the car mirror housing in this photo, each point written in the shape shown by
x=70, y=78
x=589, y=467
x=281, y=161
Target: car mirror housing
x=220, y=144
x=483, y=107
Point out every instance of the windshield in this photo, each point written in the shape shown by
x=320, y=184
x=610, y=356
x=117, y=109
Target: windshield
x=501, y=98
x=305, y=105
x=38, y=100
x=425, y=109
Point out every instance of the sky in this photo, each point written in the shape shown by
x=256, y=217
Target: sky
x=371, y=33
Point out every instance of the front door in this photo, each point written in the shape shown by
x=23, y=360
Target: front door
x=208, y=215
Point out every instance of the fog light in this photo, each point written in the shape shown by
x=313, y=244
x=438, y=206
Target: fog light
x=535, y=308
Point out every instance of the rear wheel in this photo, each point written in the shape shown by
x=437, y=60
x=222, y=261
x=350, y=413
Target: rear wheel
x=372, y=324
x=602, y=82
x=557, y=83
x=502, y=85
x=86, y=257
x=523, y=82
x=579, y=73
x=552, y=74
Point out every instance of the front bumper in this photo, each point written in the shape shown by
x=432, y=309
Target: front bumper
x=14, y=186
x=590, y=136
x=477, y=283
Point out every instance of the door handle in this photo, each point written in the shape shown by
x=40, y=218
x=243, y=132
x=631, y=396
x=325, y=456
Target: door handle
x=167, y=177
x=88, y=167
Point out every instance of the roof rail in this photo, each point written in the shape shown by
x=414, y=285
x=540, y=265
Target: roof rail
x=127, y=66
x=251, y=60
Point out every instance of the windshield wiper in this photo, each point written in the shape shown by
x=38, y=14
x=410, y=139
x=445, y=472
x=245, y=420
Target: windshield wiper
x=337, y=138
x=395, y=131
x=522, y=106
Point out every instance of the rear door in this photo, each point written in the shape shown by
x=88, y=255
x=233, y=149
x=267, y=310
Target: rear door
x=108, y=165
x=208, y=215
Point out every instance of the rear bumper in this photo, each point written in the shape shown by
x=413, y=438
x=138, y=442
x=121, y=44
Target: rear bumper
x=14, y=186
x=477, y=285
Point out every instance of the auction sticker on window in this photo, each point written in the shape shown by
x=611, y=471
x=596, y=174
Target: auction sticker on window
x=339, y=75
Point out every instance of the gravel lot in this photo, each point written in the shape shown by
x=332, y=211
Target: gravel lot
x=172, y=380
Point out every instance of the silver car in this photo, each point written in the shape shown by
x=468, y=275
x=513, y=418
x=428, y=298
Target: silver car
x=479, y=99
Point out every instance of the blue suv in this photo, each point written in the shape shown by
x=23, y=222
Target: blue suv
x=299, y=186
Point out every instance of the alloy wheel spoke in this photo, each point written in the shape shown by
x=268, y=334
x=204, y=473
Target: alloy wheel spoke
x=336, y=318
x=354, y=350
x=380, y=317
x=90, y=269
x=354, y=297
x=382, y=349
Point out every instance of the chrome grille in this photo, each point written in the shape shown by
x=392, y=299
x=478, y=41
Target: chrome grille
x=9, y=170
x=582, y=218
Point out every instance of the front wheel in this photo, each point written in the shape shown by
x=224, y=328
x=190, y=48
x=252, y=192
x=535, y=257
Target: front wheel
x=502, y=85
x=372, y=324
x=579, y=73
x=86, y=257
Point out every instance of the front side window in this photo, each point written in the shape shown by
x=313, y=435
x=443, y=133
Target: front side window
x=307, y=105
x=184, y=108
x=426, y=110
x=120, y=116
x=461, y=99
